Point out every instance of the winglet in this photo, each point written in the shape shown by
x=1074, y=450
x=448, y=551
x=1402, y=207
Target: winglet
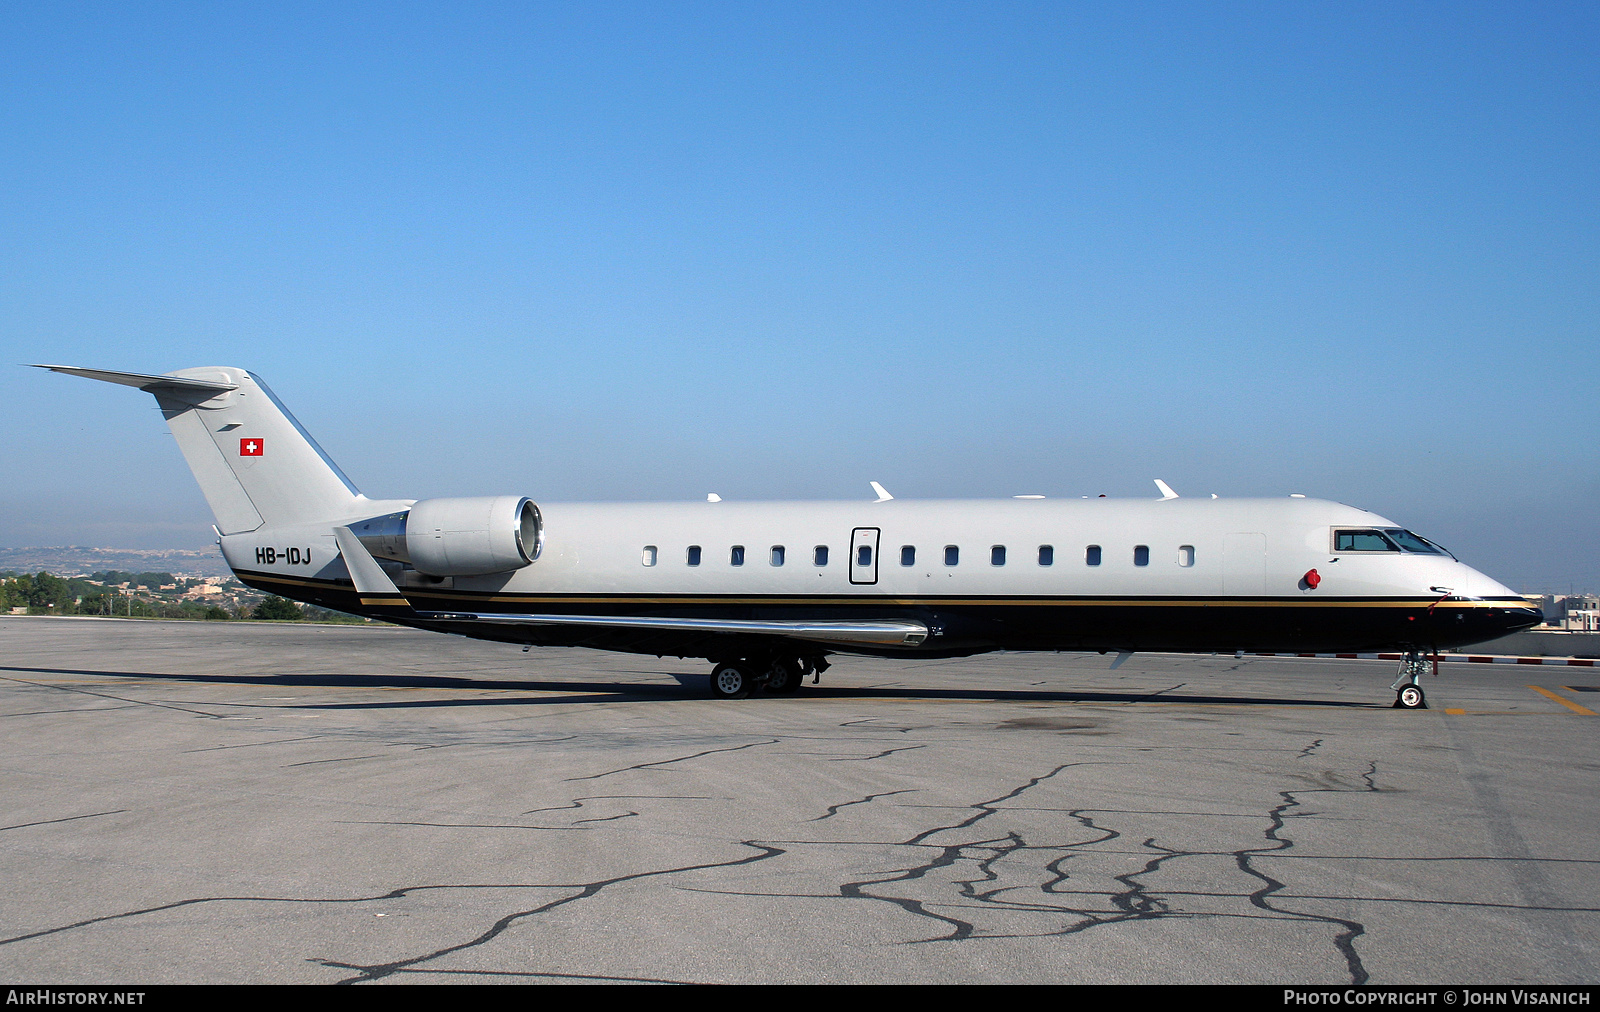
x=1166, y=490
x=713, y=497
x=376, y=590
x=883, y=494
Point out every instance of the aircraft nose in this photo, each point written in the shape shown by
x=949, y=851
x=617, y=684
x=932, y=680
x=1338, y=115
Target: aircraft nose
x=1517, y=614
x=1518, y=619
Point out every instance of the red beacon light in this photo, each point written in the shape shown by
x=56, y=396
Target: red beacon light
x=1312, y=578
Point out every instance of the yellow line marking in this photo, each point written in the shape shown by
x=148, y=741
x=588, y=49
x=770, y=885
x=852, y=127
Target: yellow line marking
x=1454, y=713
x=1574, y=707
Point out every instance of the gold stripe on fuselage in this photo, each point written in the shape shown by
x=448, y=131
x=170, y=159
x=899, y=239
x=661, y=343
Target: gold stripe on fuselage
x=907, y=602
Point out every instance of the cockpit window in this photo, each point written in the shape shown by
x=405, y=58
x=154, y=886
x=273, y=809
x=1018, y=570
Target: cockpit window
x=1389, y=539
x=1362, y=541
x=1409, y=542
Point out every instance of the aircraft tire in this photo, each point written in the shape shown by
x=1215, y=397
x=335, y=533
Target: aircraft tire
x=730, y=681
x=785, y=678
x=1411, y=697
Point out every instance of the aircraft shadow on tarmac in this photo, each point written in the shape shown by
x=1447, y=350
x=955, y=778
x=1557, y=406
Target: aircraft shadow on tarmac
x=688, y=687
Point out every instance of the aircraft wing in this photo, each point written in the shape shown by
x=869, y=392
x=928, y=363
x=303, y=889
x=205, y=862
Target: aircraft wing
x=379, y=593
x=894, y=633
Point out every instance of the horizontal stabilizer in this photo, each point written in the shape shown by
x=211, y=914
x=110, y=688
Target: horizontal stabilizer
x=893, y=633
x=256, y=465
x=144, y=381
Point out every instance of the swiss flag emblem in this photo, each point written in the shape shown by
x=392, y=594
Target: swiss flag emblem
x=251, y=447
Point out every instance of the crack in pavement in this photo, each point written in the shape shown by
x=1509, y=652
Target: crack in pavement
x=945, y=857
x=252, y=744
x=1134, y=900
x=75, y=709
x=834, y=809
x=70, y=818
x=583, y=890
x=1345, y=939
x=880, y=755
x=669, y=762
x=608, y=818
x=578, y=802
x=380, y=970
x=995, y=860
x=451, y=825
x=120, y=699
x=551, y=975
x=870, y=720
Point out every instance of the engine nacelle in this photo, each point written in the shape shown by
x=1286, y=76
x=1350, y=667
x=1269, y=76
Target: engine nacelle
x=473, y=537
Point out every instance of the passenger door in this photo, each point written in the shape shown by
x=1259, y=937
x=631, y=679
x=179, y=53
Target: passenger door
x=1244, y=564
x=864, y=555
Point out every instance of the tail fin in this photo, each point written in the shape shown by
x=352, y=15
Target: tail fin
x=253, y=461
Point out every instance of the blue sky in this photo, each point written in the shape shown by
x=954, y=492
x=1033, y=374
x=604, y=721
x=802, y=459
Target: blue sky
x=645, y=251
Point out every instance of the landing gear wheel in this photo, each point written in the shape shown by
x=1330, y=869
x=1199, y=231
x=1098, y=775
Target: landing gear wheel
x=1411, y=697
x=1408, y=694
x=730, y=681
x=785, y=677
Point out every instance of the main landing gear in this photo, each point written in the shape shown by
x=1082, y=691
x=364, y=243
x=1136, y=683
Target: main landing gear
x=774, y=675
x=1408, y=694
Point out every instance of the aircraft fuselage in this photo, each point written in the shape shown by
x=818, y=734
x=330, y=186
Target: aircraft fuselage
x=1068, y=574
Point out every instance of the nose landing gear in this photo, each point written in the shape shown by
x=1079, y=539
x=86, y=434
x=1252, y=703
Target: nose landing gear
x=1408, y=694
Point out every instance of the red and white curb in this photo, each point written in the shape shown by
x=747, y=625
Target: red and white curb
x=1571, y=662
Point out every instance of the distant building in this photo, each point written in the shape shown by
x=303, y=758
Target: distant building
x=1570, y=612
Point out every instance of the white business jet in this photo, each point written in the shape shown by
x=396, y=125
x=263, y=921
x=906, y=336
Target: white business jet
x=765, y=591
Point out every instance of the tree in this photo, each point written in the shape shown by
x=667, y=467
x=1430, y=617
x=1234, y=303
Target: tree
x=277, y=609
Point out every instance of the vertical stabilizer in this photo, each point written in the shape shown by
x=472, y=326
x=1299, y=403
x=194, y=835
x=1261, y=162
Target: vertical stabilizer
x=253, y=461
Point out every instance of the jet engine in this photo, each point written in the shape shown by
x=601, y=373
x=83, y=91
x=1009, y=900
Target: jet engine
x=458, y=537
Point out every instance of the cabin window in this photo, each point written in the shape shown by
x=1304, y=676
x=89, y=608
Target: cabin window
x=819, y=555
x=952, y=555
x=997, y=555
x=1047, y=555
x=1091, y=555
x=864, y=555
x=1185, y=555
x=649, y=555
x=777, y=555
x=736, y=556
x=1141, y=555
x=693, y=555
x=908, y=555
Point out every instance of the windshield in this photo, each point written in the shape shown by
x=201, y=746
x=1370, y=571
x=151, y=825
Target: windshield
x=1387, y=539
x=1409, y=542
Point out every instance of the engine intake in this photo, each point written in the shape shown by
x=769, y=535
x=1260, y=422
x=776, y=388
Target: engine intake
x=459, y=537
